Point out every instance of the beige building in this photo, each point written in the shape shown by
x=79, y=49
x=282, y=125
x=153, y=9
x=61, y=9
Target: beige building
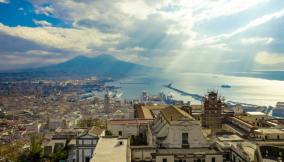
x=127, y=127
x=237, y=149
x=112, y=149
x=255, y=118
x=175, y=136
x=269, y=134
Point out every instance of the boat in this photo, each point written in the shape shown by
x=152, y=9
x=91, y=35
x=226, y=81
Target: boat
x=225, y=86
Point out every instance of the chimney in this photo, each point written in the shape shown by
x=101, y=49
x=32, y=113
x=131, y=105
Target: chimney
x=120, y=143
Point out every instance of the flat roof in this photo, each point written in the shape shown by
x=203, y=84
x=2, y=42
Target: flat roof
x=129, y=121
x=109, y=149
x=269, y=131
x=230, y=138
x=255, y=113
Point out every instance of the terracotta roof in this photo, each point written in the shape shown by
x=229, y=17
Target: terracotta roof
x=96, y=131
x=172, y=113
x=146, y=111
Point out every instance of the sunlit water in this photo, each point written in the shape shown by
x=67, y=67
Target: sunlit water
x=244, y=89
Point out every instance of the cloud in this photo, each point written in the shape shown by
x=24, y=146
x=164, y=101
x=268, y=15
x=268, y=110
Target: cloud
x=257, y=40
x=4, y=1
x=169, y=32
x=46, y=10
x=76, y=40
x=259, y=21
x=42, y=23
x=225, y=36
x=267, y=58
x=10, y=62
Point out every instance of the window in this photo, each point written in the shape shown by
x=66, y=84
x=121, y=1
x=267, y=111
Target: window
x=87, y=159
x=213, y=159
x=120, y=133
x=185, y=138
x=165, y=160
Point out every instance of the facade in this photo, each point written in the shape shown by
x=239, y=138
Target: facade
x=175, y=136
x=127, y=127
x=236, y=149
x=82, y=148
x=212, y=112
x=269, y=134
x=54, y=145
x=174, y=128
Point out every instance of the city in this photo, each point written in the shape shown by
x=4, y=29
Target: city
x=74, y=123
x=141, y=81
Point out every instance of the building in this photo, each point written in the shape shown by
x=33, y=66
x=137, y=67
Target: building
x=237, y=149
x=279, y=109
x=269, y=134
x=175, y=136
x=54, y=145
x=82, y=147
x=212, y=111
x=56, y=123
x=255, y=118
x=107, y=103
x=128, y=127
x=112, y=149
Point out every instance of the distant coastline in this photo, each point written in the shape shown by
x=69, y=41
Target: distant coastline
x=270, y=75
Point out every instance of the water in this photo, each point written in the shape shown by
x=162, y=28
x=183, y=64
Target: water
x=249, y=90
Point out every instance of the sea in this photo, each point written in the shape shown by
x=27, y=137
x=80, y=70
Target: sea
x=254, y=88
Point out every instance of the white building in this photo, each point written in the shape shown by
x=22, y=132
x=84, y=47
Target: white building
x=175, y=136
x=82, y=147
x=174, y=128
x=127, y=127
x=55, y=123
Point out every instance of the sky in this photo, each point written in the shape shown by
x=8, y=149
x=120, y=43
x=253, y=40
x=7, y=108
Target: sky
x=176, y=35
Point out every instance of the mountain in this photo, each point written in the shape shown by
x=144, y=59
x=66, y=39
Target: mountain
x=102, y=65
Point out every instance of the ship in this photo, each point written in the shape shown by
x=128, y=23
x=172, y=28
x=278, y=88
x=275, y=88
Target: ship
x=225, y=86
x=278, y=111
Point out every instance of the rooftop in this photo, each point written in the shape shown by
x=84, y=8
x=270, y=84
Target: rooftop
x=129, y=121
x=233, y=138
x=110, y=149
x=96, y=131
x=255, y=113
x=269, y=131
x=172, y=113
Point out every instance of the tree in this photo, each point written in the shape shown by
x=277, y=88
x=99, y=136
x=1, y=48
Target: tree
x=10, y=152
x=85, y=123
x=34, y=153
x=57, y=156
